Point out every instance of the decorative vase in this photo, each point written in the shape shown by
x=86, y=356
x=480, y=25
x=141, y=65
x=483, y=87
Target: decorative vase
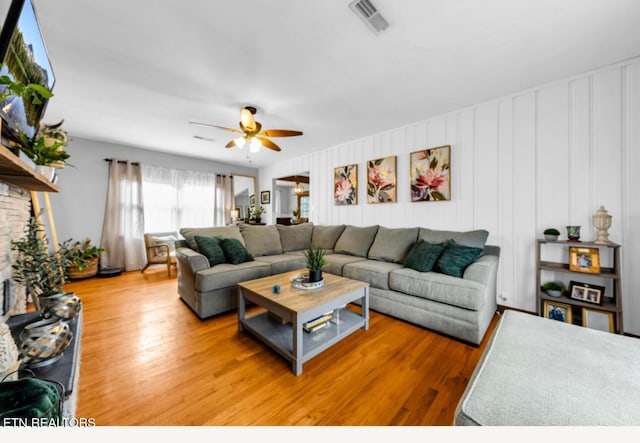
x=315, y=275
x=573, y=233
x=258, y=219
x=602, y=222
x=550, y=237
x=47, y=171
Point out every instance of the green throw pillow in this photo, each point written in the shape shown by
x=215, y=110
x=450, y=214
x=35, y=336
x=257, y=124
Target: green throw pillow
x=210, y=248
x=234, y=252
x=423, y=255
x=455, y=258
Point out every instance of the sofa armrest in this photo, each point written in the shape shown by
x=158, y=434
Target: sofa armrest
x=483, y=270
x=192, y=260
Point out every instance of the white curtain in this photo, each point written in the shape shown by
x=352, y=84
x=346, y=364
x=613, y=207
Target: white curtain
x=122, y=229
x=224, y=200
x=175, y=199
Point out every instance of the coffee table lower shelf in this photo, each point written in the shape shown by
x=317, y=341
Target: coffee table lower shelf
x=280, y=337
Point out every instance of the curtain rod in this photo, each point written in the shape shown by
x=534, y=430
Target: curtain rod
x=121, y=161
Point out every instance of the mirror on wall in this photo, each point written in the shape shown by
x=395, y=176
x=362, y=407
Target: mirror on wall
x=244, y=195
x=292, y=194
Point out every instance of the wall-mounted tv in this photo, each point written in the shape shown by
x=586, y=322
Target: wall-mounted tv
x=24, y=58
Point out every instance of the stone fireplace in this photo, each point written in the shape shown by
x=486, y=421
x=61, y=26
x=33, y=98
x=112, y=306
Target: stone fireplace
x=15, y=211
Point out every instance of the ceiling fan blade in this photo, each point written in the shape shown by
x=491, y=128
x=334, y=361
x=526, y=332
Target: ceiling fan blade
x=269, y=144
x=235, y=131
x=246, y=120
x=231, y=144
x=207, y=139
x=280, y=133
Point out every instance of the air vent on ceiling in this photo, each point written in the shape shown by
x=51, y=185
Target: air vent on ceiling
x=369, y=14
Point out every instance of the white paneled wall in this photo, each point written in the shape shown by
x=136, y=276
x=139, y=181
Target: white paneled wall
x=547, y=157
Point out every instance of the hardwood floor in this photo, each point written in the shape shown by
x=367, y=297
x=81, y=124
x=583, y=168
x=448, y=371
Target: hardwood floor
x=148, y=360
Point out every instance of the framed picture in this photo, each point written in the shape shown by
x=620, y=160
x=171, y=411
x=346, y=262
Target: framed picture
x=265, y=197
x=345, y=185
x=381, y=180
x=586, y=292
x=595, y=319
x=252, y=200
x=430, y=174
x=557, y=311
x=584, y=260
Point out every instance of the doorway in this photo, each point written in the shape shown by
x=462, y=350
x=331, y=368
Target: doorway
x=291, y=199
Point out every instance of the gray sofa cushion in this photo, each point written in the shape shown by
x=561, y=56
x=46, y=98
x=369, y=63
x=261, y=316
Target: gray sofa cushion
x=325, y=237
x=261, y=240
x=222, y=231
x=439, y=287
x=284, y=263
x=374, y=272
x=393, y=244
x=541, y=372
x=476, y=239
x=356, y=240
x=227, y=275
x=335, y=262
x=295, y=237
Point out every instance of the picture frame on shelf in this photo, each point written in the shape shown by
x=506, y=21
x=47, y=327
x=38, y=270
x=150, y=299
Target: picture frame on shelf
x=557, y=311
x=585, y=260
x=586, y=292
x=252, y=200
x=265, y=197
x=596, y=319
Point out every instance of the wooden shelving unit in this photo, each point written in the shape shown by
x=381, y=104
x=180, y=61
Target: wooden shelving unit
x=16, y=172
x=612, y=303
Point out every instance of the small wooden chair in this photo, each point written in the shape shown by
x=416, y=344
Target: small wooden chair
x=160, y=247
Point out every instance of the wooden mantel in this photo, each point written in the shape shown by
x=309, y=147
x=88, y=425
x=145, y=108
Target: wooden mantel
x=16, y=172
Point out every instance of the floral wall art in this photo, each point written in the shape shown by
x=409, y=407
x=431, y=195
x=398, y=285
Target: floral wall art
x=381, y=180
x=430, y=174
x=345, y=185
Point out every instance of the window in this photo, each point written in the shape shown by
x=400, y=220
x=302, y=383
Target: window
x=173, y=199
x=304, y=206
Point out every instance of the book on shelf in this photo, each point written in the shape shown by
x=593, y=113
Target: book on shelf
x=317, y=327
x=277, y=318
x=319, y=320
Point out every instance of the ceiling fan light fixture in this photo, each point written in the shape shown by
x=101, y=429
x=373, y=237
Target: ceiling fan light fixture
x=240, y=141
x=255, y=145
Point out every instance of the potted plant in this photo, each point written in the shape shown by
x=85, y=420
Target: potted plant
x=32, y=91
x=41, y=271
x=296, y=214
x=257, y=214
x=46, y=149
x=554, y=288
x=551, y=234
x=315, y=262
x=82, y=258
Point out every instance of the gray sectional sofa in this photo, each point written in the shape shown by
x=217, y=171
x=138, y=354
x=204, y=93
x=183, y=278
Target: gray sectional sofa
x=461, y=307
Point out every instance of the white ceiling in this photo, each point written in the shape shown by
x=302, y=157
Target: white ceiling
x=135, y=72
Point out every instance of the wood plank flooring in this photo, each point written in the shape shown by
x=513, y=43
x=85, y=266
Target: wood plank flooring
x=148, y=360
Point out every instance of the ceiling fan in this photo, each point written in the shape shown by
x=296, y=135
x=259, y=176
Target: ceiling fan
x=252, y=132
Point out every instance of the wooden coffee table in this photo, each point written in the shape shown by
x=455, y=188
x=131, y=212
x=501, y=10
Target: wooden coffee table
x=296, y=307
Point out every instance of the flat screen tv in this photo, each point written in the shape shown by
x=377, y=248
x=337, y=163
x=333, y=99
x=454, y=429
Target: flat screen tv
x=24, y=58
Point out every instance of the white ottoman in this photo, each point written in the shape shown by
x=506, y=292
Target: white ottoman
x=537, y=371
